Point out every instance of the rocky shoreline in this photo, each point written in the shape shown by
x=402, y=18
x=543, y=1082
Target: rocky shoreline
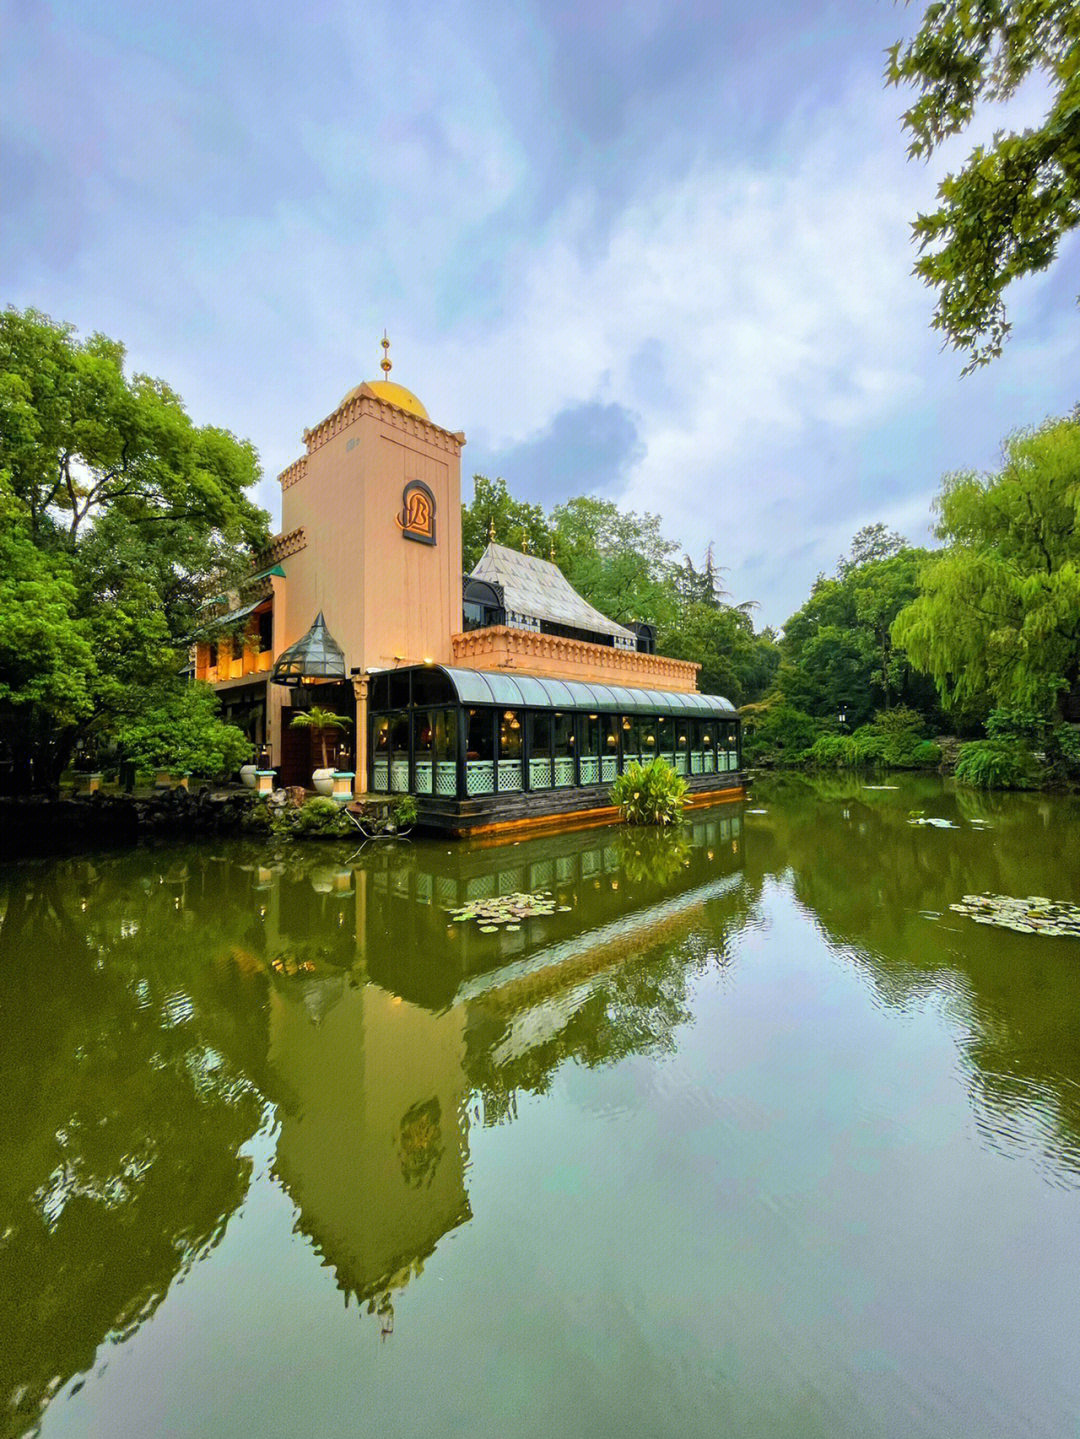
x=44, y=824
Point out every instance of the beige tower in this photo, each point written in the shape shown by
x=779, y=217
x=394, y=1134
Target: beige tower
x=377, y=499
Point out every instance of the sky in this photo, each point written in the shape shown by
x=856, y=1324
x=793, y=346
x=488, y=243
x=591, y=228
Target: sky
x=658, y=252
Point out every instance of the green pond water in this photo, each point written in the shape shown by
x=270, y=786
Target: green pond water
x=749, y=1136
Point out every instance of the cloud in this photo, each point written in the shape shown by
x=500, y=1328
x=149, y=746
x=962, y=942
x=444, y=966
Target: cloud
x=586, y=449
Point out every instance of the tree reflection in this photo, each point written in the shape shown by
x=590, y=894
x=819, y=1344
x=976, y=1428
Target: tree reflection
x=881, y=887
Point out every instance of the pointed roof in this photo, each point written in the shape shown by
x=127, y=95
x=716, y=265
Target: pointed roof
x=537, y=588
x=315, y=656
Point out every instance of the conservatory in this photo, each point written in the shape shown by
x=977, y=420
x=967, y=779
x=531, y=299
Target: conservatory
x=462, y=735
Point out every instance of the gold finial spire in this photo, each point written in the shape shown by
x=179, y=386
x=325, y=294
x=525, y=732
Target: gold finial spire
x=524, y=540
x=551, y=552
x=385, y=364
x=491, y=530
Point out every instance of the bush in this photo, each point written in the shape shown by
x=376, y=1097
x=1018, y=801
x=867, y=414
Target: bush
x=321, y=815
x=778, y=734
x=997, y=764
x=650, y=793
x=893, y=739
x=404, y=811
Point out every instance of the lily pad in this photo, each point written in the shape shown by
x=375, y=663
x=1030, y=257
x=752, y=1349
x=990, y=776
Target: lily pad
x=1035, y=914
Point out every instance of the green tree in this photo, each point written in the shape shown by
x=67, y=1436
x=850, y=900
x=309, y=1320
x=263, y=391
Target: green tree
x=619, y=560
x=121, y=518
x=839, y=647
x=998, y=619
x=1003, y=214
x=180, y=729
x=494, y=514
x=735, y=662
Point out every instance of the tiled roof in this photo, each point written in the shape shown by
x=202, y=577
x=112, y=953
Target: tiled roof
x=537, y=588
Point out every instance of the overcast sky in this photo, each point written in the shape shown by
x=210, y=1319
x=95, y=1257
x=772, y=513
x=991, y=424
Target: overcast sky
x=655, y=251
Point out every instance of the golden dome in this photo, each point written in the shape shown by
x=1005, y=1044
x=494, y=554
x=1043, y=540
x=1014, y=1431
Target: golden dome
x=391, y=394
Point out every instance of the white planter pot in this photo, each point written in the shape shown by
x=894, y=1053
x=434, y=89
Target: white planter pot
x=247, y=775
x=323, y=780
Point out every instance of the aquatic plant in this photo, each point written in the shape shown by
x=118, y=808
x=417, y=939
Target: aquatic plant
x=650, y=793
x=1034, y=915
x=508, y=910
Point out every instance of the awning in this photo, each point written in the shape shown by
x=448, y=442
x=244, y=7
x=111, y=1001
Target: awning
x=221, y=622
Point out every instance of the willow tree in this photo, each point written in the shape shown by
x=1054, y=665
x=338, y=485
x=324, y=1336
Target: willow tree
x=998, y=619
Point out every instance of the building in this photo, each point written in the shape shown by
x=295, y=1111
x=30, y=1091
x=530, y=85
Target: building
x=497, y=698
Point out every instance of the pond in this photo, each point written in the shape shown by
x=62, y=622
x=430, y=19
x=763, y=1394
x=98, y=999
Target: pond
x=738, y=1131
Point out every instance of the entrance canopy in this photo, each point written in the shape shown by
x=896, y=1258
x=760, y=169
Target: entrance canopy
x=441, y=685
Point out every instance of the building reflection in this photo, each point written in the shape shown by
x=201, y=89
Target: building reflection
x=154, y=1006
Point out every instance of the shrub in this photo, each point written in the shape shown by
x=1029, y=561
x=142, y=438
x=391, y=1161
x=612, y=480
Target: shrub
x=927, y=754
x=321, y=815
x=650, y=793
x=996, y=764
x=778, y=734
x=404, y=811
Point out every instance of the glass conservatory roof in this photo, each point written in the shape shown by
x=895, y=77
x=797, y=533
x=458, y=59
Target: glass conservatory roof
x=315, y=656
x=494, y=687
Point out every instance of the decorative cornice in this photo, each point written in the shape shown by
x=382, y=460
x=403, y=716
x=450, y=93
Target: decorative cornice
x=280, y=548
x=355, y=406
x=628, y=667
x=296, y=471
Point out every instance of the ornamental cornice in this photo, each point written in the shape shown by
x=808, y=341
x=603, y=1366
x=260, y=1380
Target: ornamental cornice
x=280, y=548
x=296, y=471
x=356, y=406
x=629, y=667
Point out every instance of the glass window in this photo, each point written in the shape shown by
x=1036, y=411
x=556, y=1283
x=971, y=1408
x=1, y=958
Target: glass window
x=399, y=736
x=630, y=741
x=423, y=734
x=682, y=735
x=590, y=735
x=504, y=690
x=430, y=687
x=380, y=742
x=399, y=690
x=480, y=742
x=446, y=735
x=564, y=734
x=609, y=726
x=540, y=734
x=665, y=734
x=510, y=735
x=648, y=736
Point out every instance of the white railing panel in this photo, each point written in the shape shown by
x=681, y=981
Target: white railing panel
x=509, y=775
x=539, y=774
x=423, y=776
x=399, y=776
x=382, y=775
x=445, y=778
x=564, y=771
x=479, y=776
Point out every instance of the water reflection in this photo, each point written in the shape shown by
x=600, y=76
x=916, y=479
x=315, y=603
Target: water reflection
x=154, y=1005
x=880, y=888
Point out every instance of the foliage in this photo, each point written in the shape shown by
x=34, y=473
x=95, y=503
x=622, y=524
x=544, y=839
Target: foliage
x=650, y=794
x=404, y=811
x=735, y=662
x=997, y=764
x=776, y=733
x=998, y=617
x=514, y=522
x=619, y=560
x=180, y=729
x=838, y=652
x=893, y=739
x=119, y=518
x=1005, y=211
x=320, y=816
x=319, y=719
x=1057, y=746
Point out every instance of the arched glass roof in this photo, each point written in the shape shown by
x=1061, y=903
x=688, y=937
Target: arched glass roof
x=518, y=691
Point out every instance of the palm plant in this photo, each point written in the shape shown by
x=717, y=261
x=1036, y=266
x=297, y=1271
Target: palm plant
x=321, y=720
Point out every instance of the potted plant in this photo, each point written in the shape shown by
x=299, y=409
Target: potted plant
x=319, y=719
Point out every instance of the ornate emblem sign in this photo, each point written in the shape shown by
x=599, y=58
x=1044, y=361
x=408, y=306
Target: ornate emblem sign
x=417, y=518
